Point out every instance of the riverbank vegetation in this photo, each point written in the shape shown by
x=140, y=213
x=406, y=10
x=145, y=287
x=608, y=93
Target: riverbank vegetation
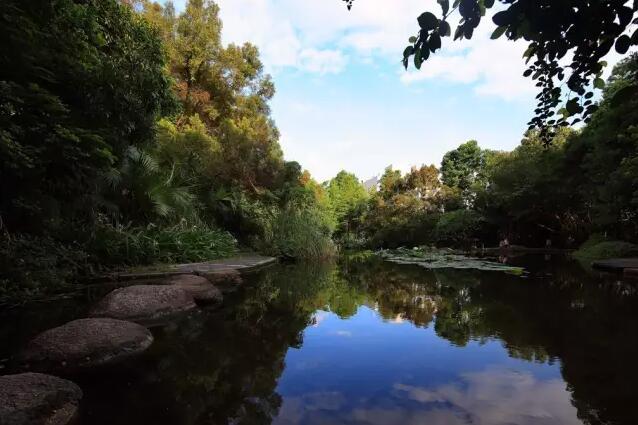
x=130, y=134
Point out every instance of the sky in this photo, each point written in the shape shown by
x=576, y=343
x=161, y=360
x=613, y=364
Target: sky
x=344, y=101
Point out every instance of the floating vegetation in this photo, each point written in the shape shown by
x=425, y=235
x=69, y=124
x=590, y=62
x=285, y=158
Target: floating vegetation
x=431, y=258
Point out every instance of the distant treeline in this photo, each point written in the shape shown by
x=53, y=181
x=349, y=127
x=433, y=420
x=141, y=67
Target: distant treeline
x=583, y=184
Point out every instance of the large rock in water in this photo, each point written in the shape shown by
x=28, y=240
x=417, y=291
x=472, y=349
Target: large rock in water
x=225, y=279
x=144, y=303
x=85, y=343
x=198, y=287
x=34, y=399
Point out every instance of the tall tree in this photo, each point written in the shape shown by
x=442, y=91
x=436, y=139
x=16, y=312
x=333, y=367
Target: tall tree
x=463, y=168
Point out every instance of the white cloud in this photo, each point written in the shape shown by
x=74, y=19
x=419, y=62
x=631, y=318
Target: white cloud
x=495, y=66
x=322, y=61
x=319, y=35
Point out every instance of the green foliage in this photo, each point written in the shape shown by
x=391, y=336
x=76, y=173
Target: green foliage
x=458, y=227
x=591, y=250
x=299, y=233
x=347, y=197
x=116, y=245
x=464, y=169
x=80, y=82
x=31, y=266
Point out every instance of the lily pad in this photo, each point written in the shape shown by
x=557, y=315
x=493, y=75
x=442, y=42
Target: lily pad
x=445, y=259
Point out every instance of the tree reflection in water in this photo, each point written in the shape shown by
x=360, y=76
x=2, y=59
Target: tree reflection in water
x=230, y=365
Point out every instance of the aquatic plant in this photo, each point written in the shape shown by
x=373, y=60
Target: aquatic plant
x=432, y=258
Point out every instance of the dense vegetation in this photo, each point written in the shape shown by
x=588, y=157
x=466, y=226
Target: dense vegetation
x=129, y=134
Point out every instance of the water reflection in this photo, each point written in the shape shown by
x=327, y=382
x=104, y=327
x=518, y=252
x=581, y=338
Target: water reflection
x=366, y=342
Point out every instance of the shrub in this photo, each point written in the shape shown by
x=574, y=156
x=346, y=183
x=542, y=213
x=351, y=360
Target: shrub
x=299, y=233
x=458, y=227
x=115, y=245
x=33, y=266
x=592, y=250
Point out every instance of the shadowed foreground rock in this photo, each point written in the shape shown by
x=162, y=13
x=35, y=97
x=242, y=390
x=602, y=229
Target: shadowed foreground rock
x=144, y=303
x=227, y=279
x=85, y=343
x=198, y=287
x=34, y=399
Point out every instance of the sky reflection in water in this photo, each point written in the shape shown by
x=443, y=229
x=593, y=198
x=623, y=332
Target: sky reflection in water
x=367, y=370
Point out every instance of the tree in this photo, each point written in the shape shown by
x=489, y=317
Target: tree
x=587, y=29
x=464, y=168
x=80, y=82
x=606, y=158
x=345, y=192
x=347, y=198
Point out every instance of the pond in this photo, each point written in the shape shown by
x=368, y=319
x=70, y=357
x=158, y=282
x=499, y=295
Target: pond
x=362, y=341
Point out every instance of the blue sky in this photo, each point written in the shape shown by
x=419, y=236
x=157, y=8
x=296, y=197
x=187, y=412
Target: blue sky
x=344, y=101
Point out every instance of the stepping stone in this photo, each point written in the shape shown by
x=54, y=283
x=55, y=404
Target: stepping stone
x=226, y=277
x=85, y=343
x=198, y=287
x=144, y=303
x=34, y=398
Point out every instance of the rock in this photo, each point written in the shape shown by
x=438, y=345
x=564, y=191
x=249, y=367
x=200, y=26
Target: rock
x=34, y=398
x=227, y=277
x=85, y=343
x=144, y=303
x=198, y=287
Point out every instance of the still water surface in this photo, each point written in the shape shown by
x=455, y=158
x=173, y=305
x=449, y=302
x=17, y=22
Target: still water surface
x=368, y=342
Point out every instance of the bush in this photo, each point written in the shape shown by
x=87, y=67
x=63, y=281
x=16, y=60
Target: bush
x=595, y=250
x=117, y=245
x=33, y=266
x=458, y=227
x=299, y=233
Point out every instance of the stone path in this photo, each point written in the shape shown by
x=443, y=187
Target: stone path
x=95, y=341
x=241, y=263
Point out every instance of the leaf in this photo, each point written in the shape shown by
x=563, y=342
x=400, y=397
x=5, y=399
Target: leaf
x=468, y=32
x=428, y=21
x=488, y=3
x=573, y=107
x=498, y=32
x=624, y=16
x=624, y=94
x=529, y=52
x=417, y=59
x=445, y=5
x=421, y=55
x=444, y=29
x=599, y=83
x=622, y=44
x=434, y=42
x=458, y=33
x=409, y=51
x=502, y=18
